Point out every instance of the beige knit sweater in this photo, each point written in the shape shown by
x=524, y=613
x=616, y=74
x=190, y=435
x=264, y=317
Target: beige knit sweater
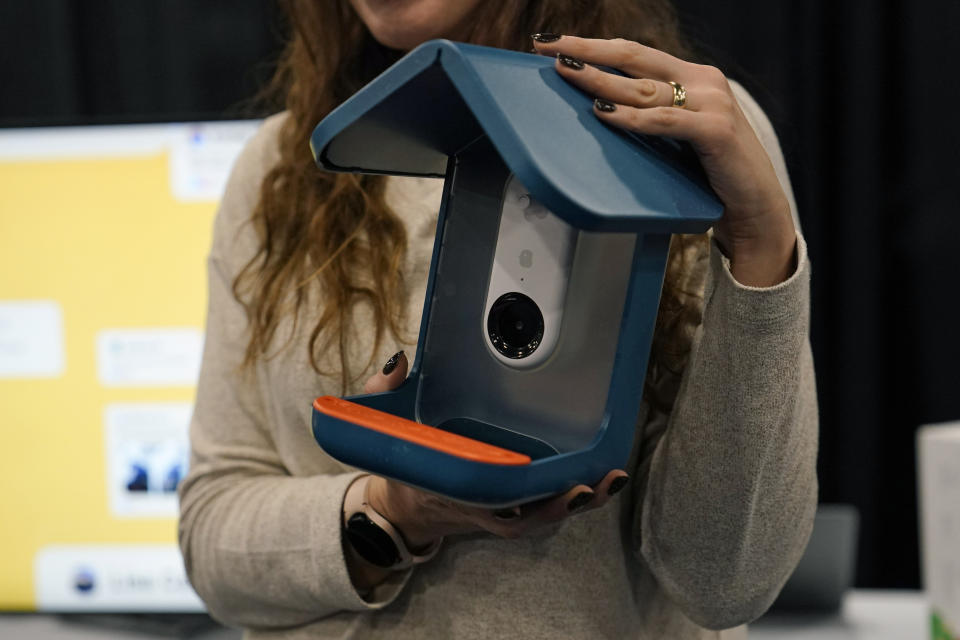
x=719, y=509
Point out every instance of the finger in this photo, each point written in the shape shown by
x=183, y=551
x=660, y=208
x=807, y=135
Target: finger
x=513, y=522
x=508, y=514
x=633, y=58
x=612, y=484
x=635, y=92
x=393, y=373
x=559, y=507
x=506, y=524
x=697, y=128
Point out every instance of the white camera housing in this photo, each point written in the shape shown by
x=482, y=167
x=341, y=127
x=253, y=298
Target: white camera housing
x=533, y=256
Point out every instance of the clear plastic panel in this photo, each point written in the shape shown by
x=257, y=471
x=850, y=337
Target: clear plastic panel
x=557, y=406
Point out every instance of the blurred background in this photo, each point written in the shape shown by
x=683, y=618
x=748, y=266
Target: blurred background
x=859, y=91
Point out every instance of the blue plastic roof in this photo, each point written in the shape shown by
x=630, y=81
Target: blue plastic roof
x=444, y=95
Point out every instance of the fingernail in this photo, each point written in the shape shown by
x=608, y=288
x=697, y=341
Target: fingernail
x=546, y=37
x=617, y=485
x=568, y=61
x=507, y=514
x=580, y=500
x=392, y=363
x=604, y=105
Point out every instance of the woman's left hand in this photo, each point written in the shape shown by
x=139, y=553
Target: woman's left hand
x=756, y=231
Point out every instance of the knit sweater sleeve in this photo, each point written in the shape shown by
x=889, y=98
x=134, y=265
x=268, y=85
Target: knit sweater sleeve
x=728, y=480
x=262, y=548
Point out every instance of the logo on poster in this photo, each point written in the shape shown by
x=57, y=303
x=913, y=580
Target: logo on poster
x=84, y=580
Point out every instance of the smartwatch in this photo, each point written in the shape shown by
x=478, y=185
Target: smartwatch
x=373, y=537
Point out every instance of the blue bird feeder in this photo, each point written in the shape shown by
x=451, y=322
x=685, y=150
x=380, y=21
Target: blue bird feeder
x=551, y=246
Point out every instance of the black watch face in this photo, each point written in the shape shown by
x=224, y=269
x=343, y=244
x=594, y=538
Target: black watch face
x=370, y=541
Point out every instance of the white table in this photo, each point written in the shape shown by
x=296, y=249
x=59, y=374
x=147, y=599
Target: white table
x=866, y=615
x=39, y=626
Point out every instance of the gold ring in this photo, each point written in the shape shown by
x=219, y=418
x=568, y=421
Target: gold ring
x=679, y=94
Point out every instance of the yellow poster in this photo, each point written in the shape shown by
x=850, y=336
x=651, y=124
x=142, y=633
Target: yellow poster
x=104, y=233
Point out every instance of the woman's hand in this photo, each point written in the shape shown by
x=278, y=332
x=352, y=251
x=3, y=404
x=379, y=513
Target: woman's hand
x=756, y=231
x=423, y=518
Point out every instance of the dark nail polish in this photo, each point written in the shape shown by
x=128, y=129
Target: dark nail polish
x=546, y=37
x=617, y=485
x=580, y=500
x=506, y=514
x=604, y=105
x=568, y=61
x=392, y=363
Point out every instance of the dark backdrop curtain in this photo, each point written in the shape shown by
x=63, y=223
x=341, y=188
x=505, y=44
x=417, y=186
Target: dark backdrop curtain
x=863, y=95
x=65, y=62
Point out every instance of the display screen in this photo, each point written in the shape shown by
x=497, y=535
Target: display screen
x=104, y=233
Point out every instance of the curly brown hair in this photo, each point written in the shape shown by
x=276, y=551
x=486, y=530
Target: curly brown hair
x=336, y=230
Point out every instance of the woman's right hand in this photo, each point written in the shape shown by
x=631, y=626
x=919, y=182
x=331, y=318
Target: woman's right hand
x=423, y=517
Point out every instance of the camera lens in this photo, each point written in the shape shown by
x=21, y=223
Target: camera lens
x=515, y=325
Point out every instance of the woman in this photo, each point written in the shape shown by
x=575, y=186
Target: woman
x=316, y=277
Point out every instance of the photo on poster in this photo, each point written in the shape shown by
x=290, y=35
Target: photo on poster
x=147, y=457
x=202, y=155
x=112, y=578
x=149, y=357
x=31, y=339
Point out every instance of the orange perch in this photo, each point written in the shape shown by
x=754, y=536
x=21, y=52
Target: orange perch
x=421, y=434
